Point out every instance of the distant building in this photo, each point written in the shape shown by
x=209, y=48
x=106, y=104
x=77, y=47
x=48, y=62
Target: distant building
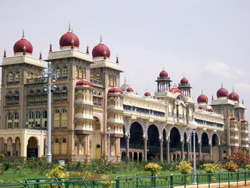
x=87, y=99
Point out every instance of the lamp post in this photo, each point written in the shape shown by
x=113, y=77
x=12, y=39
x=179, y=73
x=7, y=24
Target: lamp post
x=193, y=125
x=49, y=73
x=109, y=132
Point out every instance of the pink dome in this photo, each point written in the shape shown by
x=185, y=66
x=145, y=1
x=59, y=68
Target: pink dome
x=234, y=119
x=211, y=110
x=19, y=46
x=84, y=83
x=66, y=39
x=244, y=121
x=202, y=99
x=184, y=80
x=130, y=89
x=175, y=90
x=233, y=96
x=98, y=50
x=147, y=94
x=201, y=107
x=163, y=73
x=222, y=92
x=115, y=90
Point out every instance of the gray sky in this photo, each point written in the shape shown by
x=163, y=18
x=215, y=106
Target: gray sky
x=205, y=40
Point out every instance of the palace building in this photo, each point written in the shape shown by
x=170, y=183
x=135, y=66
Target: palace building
x=87, y=101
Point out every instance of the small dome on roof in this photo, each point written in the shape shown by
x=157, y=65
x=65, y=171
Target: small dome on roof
x=184, y=80
x=201, y=107
x=175, y=89
x=233, y=96
x=211, y=110
x=115, y=90
x=130, y=89
x=68, y=38
x=244, y=121
x=84, y=83
x=100, y=50
x=22, y=45
x=147, y=94
x=233, y=119
x=222, y=92
x=163, y=74
x=202, y=99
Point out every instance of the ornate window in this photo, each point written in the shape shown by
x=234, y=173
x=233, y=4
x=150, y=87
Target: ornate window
x=64, y=146
x=16, y=116
x=58, y=72
x=65, y=71
x=10, y=77
x=56, y=146
x=31, y=115
x=64, y=118
x=17, y=76
x=38, y=115
x=57, y=118
x=80, y=72
x=84, y=73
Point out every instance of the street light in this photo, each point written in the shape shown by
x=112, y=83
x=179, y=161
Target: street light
x=109, y=132
x=49, y=73
x=193, y=125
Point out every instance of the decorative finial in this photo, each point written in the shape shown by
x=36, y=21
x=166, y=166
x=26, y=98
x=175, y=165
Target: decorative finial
x=100, y=39
x=242, y=101
x=24, y=50
x=202, y=91
x=72, y=30
x=40, y=55
x=212, y=97
x=23, y=37
x=87, y=51
x=105, y=54
x=72, y=44
x=117, y=59
x=124, y=80
x=233, y=89
x=69, y=28
x=221, y=85
x=50, y=47
x=4, y=53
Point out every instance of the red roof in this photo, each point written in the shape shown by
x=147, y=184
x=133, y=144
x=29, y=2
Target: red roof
x=244, y=121
x=130, y=89
x=147, y=94
x=66, y=39
x=201, y=107
x=222, y=92
x=234, y=119
x=163, y=74
x=202, y=98
x=84, y=83
x=19, y=46
x=184, y=81
x=98, y=50
x=211, y=110
x=175, y=90
x=233, y=96
x=115, y=90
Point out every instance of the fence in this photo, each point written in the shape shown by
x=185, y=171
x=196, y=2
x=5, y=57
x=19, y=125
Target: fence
x=169, y=181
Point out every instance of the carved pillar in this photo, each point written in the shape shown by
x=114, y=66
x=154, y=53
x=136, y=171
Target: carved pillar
x=210, y=151
x=182, y=151
x=220, y=153
x=145, y=149
x=200, y=150
x=161, y=154
x=168, y=156
x=188, y=152
x=127, y=146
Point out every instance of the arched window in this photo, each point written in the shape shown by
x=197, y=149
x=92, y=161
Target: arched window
x=9, y=116
x=31, y=75
x=65, y=71
x=58, y=72
x=64, y=118
x=16, y=92
x=38, y=115
x=9, y=93
x=65, y=88
x=16, y=120
x=56, y=146
x=31, y=115
x=31, y=91
x=45, y=114
x=16, y=116
x=38, y=91
x=64, y=146
x=57, y=118
x=10, y=77
x=80, y=72
x=17, y=76
x=84, y=73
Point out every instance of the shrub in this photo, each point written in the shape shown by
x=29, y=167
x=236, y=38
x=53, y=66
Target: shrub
x=58, y=172
x=154, y=168
x=184, y=167
x=239, y=157
x=229, y=166
x=210, y=168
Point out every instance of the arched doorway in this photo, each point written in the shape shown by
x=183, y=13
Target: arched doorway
x=2, y=145
x=17, y=147
x=98, y=151
x=164, y=145
x=136, y=137
x=123, y=139
x=32, y=148
x=215, y=148
x=153, y=143
x=205, y=143
x=175, y=144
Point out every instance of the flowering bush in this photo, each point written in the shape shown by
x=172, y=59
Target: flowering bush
x=210, y=168
x=184, y=167
x=239, y=156
x=154, y=168
x=231, y=167
x=57, y=173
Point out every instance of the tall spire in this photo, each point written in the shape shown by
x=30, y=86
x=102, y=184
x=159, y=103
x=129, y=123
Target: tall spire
x=69, y=28
x=23, y=37
x=117, y=60
x=40, y=57
x=87, y=50
x=4, y=53
x=100, y=39
x=50, y=47
x=221, y=85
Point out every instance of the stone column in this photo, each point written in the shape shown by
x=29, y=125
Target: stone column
x=182, y=151
x=161, y=154
x=127, y=147
x=210, y=151
x=145, y=149
x=188, y=152
x=220, y=153
x=168, y=156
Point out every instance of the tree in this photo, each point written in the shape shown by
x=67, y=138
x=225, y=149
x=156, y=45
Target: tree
x=240, y=157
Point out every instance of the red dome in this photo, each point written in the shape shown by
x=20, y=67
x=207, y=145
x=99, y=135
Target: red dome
x=163, y=74
x=233, y=96
x=202, y=98
x=233, y=119
x=19, y=45
x=115, y=90
x=130, y=89
x=184, y=81
x=244, y=121
x=175, y=90
x=211, y=110
x=66, y=39
x=98, y=50
x=201, y=107
x=84, y=83
x=147, y=94
x=222, y=92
